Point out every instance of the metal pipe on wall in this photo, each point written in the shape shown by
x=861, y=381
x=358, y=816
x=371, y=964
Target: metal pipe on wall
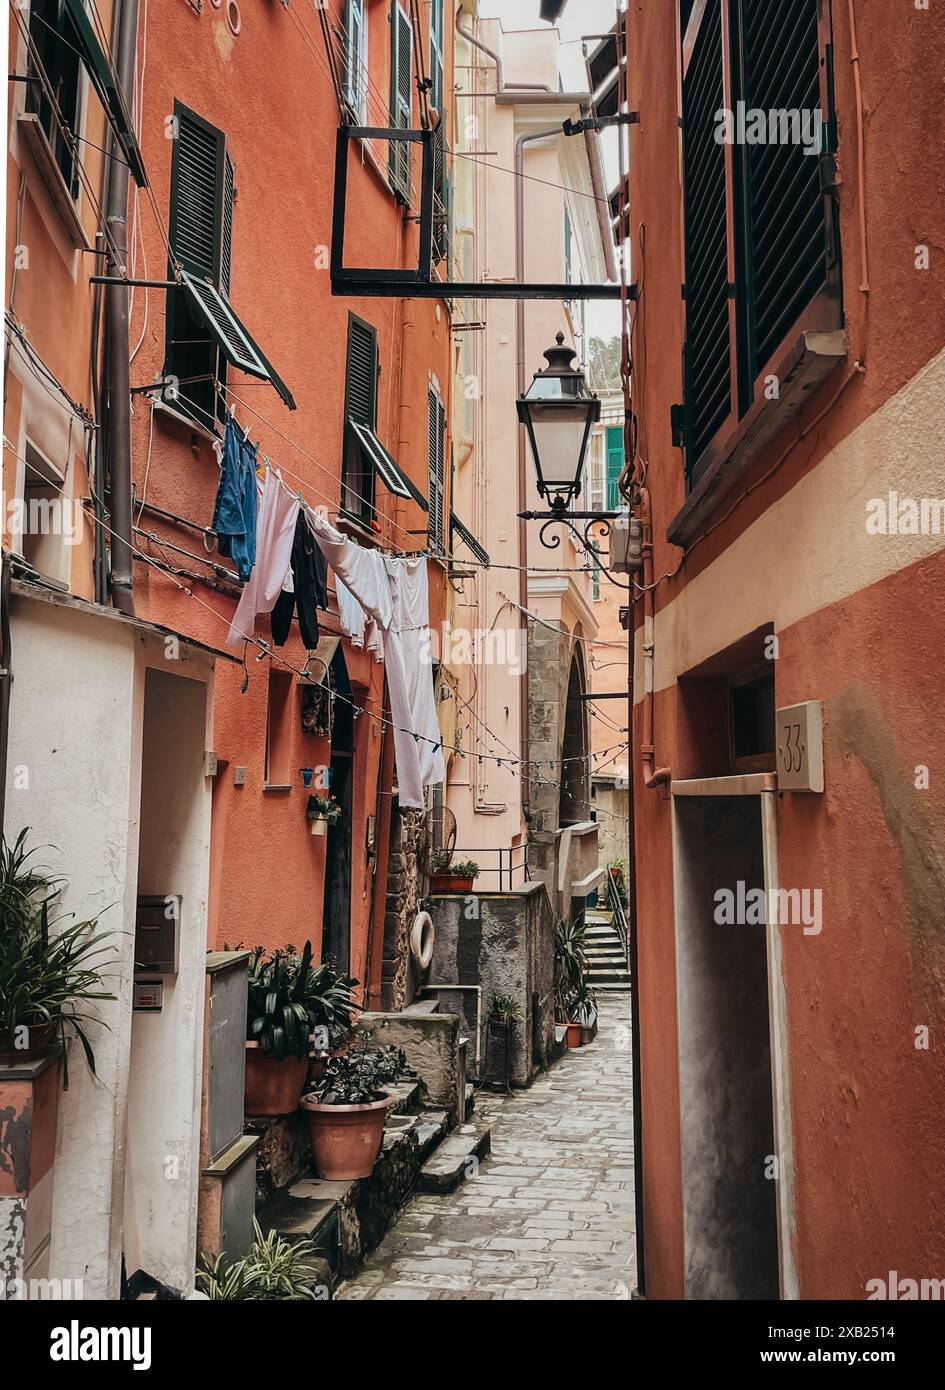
x=117, y=363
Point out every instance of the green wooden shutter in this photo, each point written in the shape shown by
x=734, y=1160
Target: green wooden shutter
x=442, y=196
x=355, y=76
x=401, y=99
x=361, y=373
x=614, y=466
x=201, y=198
x=708, y=334
x=437, y=482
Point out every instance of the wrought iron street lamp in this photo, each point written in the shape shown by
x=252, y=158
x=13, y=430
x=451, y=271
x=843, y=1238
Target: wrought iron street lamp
x=559, y=412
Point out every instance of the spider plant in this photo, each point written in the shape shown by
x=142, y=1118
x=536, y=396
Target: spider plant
x=571, y=964
x=274, y=1270
x=46, y=968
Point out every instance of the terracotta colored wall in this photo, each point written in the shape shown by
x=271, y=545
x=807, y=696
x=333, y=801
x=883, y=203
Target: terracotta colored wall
x=865, y=1103
x=269, y=91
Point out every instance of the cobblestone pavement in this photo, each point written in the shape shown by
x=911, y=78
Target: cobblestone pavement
x=550, y=1213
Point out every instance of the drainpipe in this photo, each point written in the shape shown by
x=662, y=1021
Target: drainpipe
x=499, y=70
x=653, y=776
x=601, y=201
x=117, y=364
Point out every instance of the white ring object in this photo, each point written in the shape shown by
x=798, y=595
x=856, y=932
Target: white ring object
x=421, y=941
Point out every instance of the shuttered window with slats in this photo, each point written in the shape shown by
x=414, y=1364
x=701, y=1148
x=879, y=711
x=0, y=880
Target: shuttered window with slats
x=401, y=100
x=361, y=406
x=761, y=251
x=203, y=192
x=708, y=329
x=437, y=484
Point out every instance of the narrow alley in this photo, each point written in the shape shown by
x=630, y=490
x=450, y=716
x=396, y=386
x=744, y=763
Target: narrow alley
x=549, y=1215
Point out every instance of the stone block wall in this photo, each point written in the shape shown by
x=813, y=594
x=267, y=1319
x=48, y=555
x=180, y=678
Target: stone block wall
x=404, y=891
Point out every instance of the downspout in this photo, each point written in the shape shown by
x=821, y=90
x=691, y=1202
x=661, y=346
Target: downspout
x=117, y=363
x=499, y=70
x=601, y=201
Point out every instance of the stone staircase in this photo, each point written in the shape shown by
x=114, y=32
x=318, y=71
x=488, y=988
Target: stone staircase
x=608, y=963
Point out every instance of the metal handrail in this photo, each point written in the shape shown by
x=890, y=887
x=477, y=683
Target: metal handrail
x=506, y=867
x=620, y=916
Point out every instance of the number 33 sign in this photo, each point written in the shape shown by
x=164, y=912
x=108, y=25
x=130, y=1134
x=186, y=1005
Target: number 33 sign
x=800, y=731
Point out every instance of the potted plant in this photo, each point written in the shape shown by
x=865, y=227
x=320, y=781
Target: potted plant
x=278, y=1030
x=322, y=811
x=504, y=1010
x=347, y=1110
x=450, y=877
x=570, y=970
x=584, y=1012
x=46, y=969
x=618, y=872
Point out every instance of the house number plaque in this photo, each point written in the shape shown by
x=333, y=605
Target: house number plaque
x=800, y=730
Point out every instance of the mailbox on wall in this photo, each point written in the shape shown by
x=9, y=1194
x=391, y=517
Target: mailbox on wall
x=157, y=935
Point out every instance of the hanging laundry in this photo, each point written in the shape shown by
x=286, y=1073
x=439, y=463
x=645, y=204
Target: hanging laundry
x=275, y=533
x=395, y=593
x=234, y=511
x=355, y=623
x=305, y=588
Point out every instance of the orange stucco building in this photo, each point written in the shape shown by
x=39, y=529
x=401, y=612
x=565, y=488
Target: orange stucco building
x=813, y=318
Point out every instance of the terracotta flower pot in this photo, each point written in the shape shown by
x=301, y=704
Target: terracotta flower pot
x=574, y=1035
x=39, y=1034
x=451, y=883
x=346, y=1139
x=272, y=1088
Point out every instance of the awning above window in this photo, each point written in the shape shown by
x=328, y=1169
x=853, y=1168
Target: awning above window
x=390, y=473
x=468, y=539
x=105, y=81
x=233, y=340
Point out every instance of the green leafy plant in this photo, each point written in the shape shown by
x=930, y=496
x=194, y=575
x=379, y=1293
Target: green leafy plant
x=583, y=1004
x=358, y=1078
x=503, y=1008
x=442, y=862
x=570, y=965
x=275, y=1270
x=289, y=997
x=323, y=808
x=47, y=968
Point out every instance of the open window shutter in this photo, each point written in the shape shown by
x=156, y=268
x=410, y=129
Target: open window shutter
x=436, y=54
x=442, y=193
x=354, y=55
x=787, y=210
x=401, y=104
x=708, y=330
x=226, y=246
x=614, y=465
x=199, y=207
x=437, y=487
x=361, y=380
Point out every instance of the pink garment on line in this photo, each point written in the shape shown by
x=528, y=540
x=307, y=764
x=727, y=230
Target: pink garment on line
x=275, y=529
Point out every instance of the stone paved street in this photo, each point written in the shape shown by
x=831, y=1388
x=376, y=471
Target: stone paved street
x=550, y=1214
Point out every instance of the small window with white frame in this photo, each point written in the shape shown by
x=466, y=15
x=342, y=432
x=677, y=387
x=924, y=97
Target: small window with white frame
x=45, y=525
x=356, y=59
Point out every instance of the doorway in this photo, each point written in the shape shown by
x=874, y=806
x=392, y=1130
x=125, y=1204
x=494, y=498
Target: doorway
x=730, y=1166
x=336, y=918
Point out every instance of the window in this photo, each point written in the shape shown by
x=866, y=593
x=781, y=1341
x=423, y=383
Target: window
x=358, y=465
x=356, y=59
x=401, y=100
x=614, y=466
x=56, y=54
x=203, y=183
x=761, y=256
x=48, y=520
x=594, y=484
x=436, y=54
x=202, y=330
x=595, y=577
x=752, y=723
x=437, y=485
x=279, y=730
x=442, y=197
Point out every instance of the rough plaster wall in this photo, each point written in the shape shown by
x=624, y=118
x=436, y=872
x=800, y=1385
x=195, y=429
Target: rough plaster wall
x=724, y=1057
x=507, y=947
x=404, y=883
x=430, y=1042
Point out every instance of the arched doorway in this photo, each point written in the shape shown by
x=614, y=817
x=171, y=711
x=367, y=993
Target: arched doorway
x=336, y=915
x=574, y=797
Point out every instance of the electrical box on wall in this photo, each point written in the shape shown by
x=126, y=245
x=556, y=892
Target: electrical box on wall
x=800, y=733
x=148, y=996
x=157, y=935
x=626, y=543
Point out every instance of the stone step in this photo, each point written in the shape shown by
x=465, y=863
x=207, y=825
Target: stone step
x=431, y=1126
x=470, y=1101
x=612, y=988
x=597, y=977
x=595, y=915
x=605, y=952
x=423, y=1006
x=453, y=1159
